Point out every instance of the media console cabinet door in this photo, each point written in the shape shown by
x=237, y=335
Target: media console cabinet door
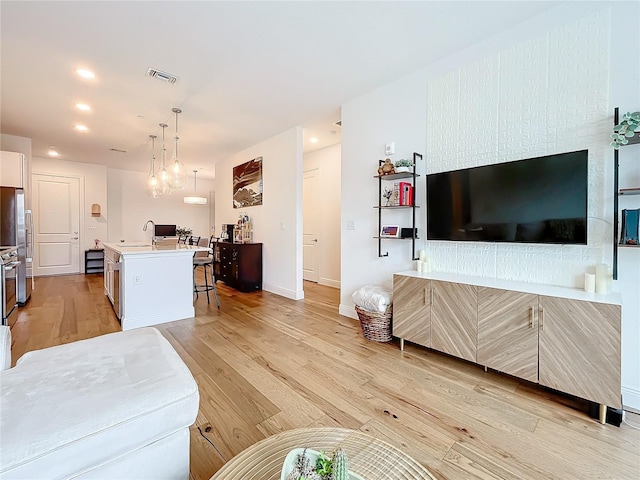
x=454, y=319
x=508, y=332
x=412, y=309
x=580, y=348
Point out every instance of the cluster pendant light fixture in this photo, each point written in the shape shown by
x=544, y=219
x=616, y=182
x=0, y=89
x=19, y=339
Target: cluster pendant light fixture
x=162, y=181
x=195, y=199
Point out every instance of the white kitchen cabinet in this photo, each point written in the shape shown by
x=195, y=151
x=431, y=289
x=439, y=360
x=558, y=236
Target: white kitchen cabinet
x=12, y=169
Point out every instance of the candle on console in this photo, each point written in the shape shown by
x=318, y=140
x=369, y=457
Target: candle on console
x=589, y=282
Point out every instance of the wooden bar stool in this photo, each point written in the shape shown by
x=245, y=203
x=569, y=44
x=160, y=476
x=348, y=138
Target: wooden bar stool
x=205, y=260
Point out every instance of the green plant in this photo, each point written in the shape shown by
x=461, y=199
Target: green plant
x=627, y=128
x=340, y=465
x=404, y=162
x=183, y=231
x=324, y=466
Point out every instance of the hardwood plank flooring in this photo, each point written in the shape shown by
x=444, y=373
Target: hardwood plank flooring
x=265, y=364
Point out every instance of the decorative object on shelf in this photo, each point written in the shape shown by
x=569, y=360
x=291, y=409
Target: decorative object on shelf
x=627, y=128
x=403, y=165
x=178, y=178
x=195, y=199
x=387, y=193
x=243, y=231
x=603, y=278
x=153, y=189
x=390, y=231
x=386, y=168
x=164, y=183
x=96, y=241
x=590, y=282
x=247, y=184
x=183, y=231
x=630, y=231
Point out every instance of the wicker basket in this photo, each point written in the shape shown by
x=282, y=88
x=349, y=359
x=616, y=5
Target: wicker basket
x=375, y=326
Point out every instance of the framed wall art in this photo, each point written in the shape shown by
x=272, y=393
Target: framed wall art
x=247, y=184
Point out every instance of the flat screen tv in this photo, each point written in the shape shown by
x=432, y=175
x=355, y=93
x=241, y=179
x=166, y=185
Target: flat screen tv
x=537, y=200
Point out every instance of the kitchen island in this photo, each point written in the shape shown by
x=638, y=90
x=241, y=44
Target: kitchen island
x=149, y=284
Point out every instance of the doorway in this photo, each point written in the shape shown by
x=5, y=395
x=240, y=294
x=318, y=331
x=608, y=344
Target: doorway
x=310, y=226
x=56, y=211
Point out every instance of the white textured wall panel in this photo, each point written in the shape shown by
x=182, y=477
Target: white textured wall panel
x=543, y=96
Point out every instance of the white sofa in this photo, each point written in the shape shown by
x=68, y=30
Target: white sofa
x=114, y=406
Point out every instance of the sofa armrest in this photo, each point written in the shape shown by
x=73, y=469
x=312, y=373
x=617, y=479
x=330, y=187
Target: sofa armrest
x=5, y=347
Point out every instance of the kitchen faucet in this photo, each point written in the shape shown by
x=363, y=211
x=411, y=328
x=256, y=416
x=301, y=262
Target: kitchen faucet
x=144, y=229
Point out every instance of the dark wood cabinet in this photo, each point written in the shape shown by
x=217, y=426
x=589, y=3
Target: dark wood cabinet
x=239, y=265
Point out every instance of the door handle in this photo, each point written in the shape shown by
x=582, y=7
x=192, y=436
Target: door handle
x=74, y=238
x=315, y=240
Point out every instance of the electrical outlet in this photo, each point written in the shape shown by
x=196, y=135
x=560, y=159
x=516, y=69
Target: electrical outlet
x=137, y=279
x=351, y=225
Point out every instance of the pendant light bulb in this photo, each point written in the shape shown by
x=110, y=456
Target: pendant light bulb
x=178, y=175
x=164, y=182
x=152, y=181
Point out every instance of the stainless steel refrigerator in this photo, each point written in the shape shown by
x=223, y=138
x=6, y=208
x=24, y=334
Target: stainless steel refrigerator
x=16, y=228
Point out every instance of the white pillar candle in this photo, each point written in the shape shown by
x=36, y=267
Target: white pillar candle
x=589, y=282
x=418, y=266
x=422, y=255
x=602, y=278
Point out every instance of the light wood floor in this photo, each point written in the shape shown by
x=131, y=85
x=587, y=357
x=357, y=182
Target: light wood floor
x=265, y=364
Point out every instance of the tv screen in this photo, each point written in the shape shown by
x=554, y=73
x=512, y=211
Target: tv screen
x=165, y=231
x=537, y=200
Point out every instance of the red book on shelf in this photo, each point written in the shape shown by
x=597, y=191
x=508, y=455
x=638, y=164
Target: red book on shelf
x=403, y=192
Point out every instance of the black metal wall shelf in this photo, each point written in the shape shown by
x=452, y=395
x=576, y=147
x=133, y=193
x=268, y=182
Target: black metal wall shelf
x=618, y=192
x=398, y=176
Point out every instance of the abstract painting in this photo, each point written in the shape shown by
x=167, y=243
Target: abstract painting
x=247, y=184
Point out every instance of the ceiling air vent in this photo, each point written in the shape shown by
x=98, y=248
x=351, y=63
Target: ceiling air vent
x=160, y=75
x=338, y=123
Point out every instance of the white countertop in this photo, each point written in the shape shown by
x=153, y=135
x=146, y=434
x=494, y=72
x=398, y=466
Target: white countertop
x=613, y=298
x=141, y=248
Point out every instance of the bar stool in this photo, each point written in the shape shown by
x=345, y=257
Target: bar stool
x=205, y=260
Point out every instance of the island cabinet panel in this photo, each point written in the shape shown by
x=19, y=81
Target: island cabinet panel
x=579, y=348
x=454, y=319
x=508, y=332
x=412, y=309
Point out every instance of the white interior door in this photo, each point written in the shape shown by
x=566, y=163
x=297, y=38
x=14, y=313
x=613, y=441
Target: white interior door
x=310, y=225
x=56, y=211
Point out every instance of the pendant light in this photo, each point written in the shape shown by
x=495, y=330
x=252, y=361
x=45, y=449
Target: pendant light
x=152, y=181
x=178, y=175
x=195, y=200
x=164, y=180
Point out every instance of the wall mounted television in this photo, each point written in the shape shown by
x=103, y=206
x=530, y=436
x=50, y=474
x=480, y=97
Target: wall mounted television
x=536, y=200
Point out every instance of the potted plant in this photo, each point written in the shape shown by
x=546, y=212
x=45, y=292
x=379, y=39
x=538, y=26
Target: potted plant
x=403, y=165
x=627, y=128
x=183, y=231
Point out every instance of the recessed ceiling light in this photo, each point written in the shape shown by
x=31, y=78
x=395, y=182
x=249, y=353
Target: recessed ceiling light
x=52, y=153
x=81, y=128
x=85, y=73
x=83, y=106
x=313, y=140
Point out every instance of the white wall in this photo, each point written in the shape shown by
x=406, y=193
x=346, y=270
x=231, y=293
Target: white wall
x=327, y=163
x=130, y=207
x=93, y=189
x=277, y=223
x=548, y=85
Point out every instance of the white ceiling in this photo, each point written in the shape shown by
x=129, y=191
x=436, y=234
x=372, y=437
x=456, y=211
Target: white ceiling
x=248, y=70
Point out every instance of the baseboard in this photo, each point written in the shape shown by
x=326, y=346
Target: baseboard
x=284, y=292
x=348, y=311
x=631, y=398
x=138, y=321
x=329, y=283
